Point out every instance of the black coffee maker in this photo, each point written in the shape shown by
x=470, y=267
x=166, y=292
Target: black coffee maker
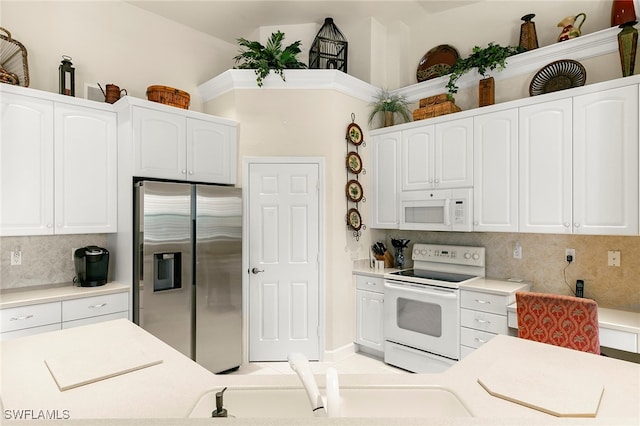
x=92, y=266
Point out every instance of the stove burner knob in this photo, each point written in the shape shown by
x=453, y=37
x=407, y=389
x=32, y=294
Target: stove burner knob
x=476, y=256
x=467, y=255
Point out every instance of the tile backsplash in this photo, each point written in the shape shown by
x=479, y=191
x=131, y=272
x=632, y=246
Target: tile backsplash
x=543, y=261
x=45, y=259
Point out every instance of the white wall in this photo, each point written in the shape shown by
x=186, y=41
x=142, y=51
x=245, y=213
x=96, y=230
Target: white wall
x=113, y=42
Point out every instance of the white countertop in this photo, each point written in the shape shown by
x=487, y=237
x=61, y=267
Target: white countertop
x=55, y=293
x=172, y=388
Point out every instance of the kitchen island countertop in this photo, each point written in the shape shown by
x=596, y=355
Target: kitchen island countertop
x=170, y=389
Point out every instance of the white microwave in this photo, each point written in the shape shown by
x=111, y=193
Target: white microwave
x=437, y=210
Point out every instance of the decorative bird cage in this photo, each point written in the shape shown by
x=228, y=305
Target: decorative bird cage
x=329, y=48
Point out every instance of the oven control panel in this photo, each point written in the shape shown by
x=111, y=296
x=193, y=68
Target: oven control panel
x=458, y=255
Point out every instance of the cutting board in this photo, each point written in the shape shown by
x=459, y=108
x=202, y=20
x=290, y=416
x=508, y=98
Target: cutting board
x=89, y=363
x=556, y=391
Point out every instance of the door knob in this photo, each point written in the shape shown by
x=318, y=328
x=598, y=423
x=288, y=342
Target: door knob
x=256, y=271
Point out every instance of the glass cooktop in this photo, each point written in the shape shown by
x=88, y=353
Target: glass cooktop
x=434, y=275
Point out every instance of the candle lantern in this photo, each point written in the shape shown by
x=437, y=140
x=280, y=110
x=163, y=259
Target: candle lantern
x=329, y=48
x=67, y=77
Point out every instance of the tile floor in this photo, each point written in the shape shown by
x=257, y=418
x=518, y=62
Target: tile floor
x=356, y=363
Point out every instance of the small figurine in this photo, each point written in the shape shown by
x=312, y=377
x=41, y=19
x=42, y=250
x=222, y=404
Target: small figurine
x=569, y=29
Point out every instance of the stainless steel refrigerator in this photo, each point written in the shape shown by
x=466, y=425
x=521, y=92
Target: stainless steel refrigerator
x=188, y=269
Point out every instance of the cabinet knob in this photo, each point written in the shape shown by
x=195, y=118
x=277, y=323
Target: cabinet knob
x=190, y=172
x=577, y=225
x=49, y=225
x=184, y=172
x=567, y=224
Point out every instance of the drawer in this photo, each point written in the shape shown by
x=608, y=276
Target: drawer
x=512, y=320
x=29, y=331
x=29, y=316
x=474, y=338
x=94, y=306
x=368, y=283
x=484, y=321
x=93, y=320
x=616, y=339
x=486, y=302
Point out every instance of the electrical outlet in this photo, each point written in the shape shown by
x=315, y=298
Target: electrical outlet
x=16, y=257
x=570, y=252
x=517, y=251
x=614, y=257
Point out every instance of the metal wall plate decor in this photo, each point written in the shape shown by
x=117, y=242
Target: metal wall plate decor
x=353, y=189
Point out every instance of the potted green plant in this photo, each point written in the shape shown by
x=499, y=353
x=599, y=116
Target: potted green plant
x=264, y=59
x=484, y=59
x=390, y=105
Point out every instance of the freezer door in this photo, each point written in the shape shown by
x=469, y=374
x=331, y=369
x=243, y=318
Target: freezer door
x=218, y=277
x=164, y=258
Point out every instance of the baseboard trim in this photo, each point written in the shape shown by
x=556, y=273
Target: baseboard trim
x=340, y=353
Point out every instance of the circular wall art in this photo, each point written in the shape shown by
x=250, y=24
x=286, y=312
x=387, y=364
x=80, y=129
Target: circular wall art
x=436, y=62
x=558, y=75
x=354, y=191
x=354, y=134
x=354, y=162
x=354, y=220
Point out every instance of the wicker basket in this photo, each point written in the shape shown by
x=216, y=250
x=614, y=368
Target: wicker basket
x=436, y=110
x=432, y=100
x=168, y=96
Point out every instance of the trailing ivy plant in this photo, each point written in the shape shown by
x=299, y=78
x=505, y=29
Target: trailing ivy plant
x=484, y=59
x=272, y=56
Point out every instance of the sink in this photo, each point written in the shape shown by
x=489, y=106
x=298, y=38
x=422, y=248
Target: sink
x=390, y=401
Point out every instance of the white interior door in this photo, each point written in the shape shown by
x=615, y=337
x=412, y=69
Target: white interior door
x=283, y=261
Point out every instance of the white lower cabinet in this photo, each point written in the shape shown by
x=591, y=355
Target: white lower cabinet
x=39, y=318
x=369, y=311
x=483, y=315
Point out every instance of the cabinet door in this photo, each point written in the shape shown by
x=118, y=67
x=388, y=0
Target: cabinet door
x=85, y=170
x=417, y=153
x=545, y=163
x=605, y=162
x=495, y=169
x=211, y=152
x=454, y=154
x=159, y=140
x=384, y=180
x=26, y=166
x=369, y=319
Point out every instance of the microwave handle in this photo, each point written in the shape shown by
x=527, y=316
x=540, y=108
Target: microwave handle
x=447, y=212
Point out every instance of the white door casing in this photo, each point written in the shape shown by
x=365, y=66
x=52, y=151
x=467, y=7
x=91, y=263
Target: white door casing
x=284, y=303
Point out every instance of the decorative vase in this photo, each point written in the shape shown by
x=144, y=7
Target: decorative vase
x=528, y=36
x=622, y=11
x=399, y=257
x=627, y=46
x=388, y=118
x=486, y=92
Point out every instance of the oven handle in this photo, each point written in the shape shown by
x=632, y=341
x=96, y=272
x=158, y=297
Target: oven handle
x=443, y=294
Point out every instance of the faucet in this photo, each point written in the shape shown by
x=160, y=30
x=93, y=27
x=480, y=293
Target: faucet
x=329, y=406
x=219, y=411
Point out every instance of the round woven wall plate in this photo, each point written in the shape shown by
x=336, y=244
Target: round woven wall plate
x=558, y=75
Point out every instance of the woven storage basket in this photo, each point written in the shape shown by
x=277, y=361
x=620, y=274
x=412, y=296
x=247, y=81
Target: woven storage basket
x=432, y=100
x=168, y=96
x=436, y=110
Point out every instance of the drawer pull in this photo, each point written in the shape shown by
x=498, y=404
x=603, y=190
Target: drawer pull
x=481, y=321
x=479, y=340
x=102, y=305
x=21, y=318
x=483, y=302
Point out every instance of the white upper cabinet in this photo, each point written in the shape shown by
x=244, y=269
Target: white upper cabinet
x=211, y=151
x=454, y=154
x=159, y=144
x=545, y=163
x=59, y=166
x=86, y=170
x=495, y=168
x=605, y=162
x=172, y=145
x=26, y=165
x=418, y=169
x=384, y=180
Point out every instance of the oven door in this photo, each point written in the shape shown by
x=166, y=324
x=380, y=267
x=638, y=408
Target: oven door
x=423, y=317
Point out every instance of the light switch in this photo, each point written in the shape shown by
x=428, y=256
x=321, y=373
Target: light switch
x=614, y=258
